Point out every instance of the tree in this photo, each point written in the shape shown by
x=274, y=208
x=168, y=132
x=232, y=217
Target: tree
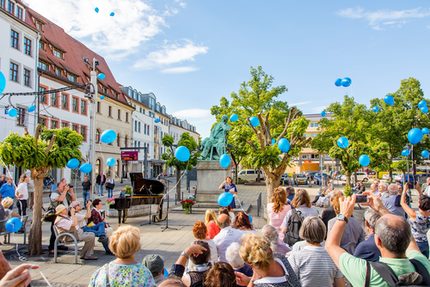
x=40, y=153
x=169, y=156
x=258, y=97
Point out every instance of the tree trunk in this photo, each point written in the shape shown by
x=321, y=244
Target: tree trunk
x=178, y=184
x=35, y=235
x=348, y=179
x=271, y=184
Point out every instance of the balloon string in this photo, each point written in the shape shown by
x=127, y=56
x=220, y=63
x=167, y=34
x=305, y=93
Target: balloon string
x=46, y=279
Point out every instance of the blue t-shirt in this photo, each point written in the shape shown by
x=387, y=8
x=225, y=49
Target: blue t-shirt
x=7, y=190
x=227, y=187
x=367, y=250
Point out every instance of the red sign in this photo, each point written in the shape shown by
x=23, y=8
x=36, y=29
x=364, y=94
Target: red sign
x=129, y=155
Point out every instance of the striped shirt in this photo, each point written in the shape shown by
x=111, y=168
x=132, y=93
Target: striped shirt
x=313, y=266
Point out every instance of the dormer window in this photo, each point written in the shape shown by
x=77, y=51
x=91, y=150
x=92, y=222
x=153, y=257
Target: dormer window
x=41, y=45
x=39, y=25
x=43, y=66
x=11, y=7
x=20, y=12
x=57, y=53
x=71, y=77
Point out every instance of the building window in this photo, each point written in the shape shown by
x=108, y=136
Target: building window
x=20, y=12
x=118, y=140
x=2, y=3
x=84, y=107
x=58, y=71
x=54, y=124
x=14, y=72
x=140, y=130
x=39, y=25
x=20, y=121
x=65, y=101
x=54, y=100
x=126, y=117
x=43, y=66
x=75, y=104
x=110, y=111
x=98, y=107
x=27, y=77
x=43, y=121
x=84, y=132
x=41, y=45
x=11, y=7
x=135, y=126
x=57, y=53
x=97, y=136
x=14, y=39
x=43, y=97
x=65, y=124
x=71, y=78
x=119, y=114
x=27, y=46
x=75, y=127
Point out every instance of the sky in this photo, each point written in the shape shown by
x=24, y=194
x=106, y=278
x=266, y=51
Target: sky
x=190, y=53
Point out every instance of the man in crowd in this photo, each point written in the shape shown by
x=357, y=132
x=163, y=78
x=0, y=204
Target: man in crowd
x=86, y=187
x=226, y=236
x=367, y=249
x=155, y=264
x=100, y=181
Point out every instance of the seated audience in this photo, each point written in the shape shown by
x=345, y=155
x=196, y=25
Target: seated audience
x=233, y=258
x=8, y=190
x=172, y=282
x=391, y=200
x=96, y=216
x=278, y=246
x=242, y=223
x=229, y=211
x=155, y=264
x=220, y=275
x=124, y=270
x=312, y=265
x=226, y=236
x=268, y=270
x=211, y=224
x=199, y=232
x=6, y=204
x=367, y=249
x=277, y=209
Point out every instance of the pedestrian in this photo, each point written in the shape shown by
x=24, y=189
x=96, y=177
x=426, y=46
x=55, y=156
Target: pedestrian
x=367, y=249
x=21, y=194
x=229, y=186
x=57, y=197
x=86, y=187
x=110, y=185
x=8, y=189
x=277, y=209
x=426, y=187
x=100, y=181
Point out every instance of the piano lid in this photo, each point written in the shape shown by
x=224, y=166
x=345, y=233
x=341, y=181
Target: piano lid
x=144, y=186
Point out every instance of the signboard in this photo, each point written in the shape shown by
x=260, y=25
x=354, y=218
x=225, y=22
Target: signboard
x=129, y=155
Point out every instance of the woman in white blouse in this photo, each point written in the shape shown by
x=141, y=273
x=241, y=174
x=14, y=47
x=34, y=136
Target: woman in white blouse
x=21, y=194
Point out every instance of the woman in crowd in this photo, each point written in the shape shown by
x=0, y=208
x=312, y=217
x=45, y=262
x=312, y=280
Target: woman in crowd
x=199, y=232
x=268, y=271
x=277, y=209
x=354, y=232
x=329, y=213
x=301, y=203
x=124, y=270
x=110, y=185
x=312, y=265
x=21, y=194
x=229, y=186
x=278, y=246
x=8, y=189
x=96, y=216
x=233, y=258
x=242, y=223
x=220, y=275
x=211, y=224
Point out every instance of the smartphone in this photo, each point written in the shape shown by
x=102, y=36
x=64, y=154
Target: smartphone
x=361, y=198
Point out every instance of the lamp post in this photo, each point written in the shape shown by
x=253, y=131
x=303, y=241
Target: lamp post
x=92, y=141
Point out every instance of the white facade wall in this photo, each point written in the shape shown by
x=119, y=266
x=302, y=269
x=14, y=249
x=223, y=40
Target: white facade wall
x=143, y=133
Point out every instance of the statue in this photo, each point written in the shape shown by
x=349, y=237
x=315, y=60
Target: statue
x=216, y=144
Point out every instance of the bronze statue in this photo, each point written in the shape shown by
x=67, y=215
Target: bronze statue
x=216, y=144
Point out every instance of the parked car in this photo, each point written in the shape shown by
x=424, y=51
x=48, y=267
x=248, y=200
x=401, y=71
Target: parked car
x=317, y=178
x=396, y=176
x=286, y=179
x=302, y=179
x=361, y=176
x=249, y=175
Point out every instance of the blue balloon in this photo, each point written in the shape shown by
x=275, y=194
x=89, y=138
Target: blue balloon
x=389, y=100
x=273, y=141
x=250, y=218
x=234, y=118
x=424, y=109
x=13, y=224
x=415, y=135
x=102, y=97
x=112, y=14
x=346, y=82
x=108, y=136
x=166, y=273
x=284, y=145
x=376, y=109
x=425, y=153
x=255, y=122
x=422, y=103
x=323, y=114
x=31, y=108
x=110, y=162
x=157, y=120
x=182, y=154
x=86, y=168
x=97, y=9
x=338, y=82
x=101, y=76
x=425, y=131
x=225, y=198
x=73, y=163
x=2, y=82
x=406, y=152
x=12, y=112
x=364, y=160
x=342, y=142
x=224, y=161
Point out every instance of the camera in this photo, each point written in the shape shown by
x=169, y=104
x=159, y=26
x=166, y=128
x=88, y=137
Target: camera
x=70, y=185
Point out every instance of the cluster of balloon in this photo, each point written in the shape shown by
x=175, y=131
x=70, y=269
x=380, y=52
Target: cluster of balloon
x=234, y=118
x=255, y=122
x=422, y=105
x=345, y=82
x=415, y=135
x=323, y=114
x=364, y=160
x=97, y=10
x=86, y=168
x=224, y=161
x=425, y=131
x=73, y=163
x=376, y=109
x=225, y=198
x=425, y=154
x=2, y=82
x=157, y=120
x=389, y=100
x=182, y=153
x=406, y=152
x=343, y=142
x=101, y=76
x=110, y=162
x=108, y=136
x=13, y=224
x=12, y=112
x=284, y=145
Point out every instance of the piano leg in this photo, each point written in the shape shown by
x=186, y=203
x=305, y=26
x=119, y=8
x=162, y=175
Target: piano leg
x=124, y=218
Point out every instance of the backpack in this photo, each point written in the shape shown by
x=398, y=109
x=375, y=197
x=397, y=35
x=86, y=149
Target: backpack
x=293, y=226
x=420, y=277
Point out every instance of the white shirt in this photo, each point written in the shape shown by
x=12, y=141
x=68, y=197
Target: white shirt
x=22, y=189
x=224, y=238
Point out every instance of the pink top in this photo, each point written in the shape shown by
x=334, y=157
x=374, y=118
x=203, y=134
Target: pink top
x=275, y=219
x=212, y=229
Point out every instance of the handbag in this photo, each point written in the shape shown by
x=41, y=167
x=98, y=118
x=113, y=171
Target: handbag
x=110, y=185
x=49, y=215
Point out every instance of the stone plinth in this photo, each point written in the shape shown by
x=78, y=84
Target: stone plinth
x=209, y=176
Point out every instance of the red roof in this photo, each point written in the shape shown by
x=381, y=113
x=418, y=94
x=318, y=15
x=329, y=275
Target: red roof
x=74, y=53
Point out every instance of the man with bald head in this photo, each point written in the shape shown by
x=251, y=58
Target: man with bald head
x=399, y=251
x=226, y=236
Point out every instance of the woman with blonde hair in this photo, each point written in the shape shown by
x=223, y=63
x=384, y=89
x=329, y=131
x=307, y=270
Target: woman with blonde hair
x=21, y=194
x=268, y=270
x=124, y=270
x=211, y=224
x=277, y=209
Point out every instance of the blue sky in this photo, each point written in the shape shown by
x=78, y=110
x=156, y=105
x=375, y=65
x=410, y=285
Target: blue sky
x=192, y=52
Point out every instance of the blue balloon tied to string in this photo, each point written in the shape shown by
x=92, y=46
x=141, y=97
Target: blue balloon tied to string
x=2, y=82
x=342, y=142
x=406, y=152
x=284, y=145
x=323, y=114
x=112, y=14
x=422, y=103
x=338, y=82
x=102, y=97
x=376, y=109
x=424, y=109
x=425, y=154
x=389, y=100
x=234, y=118
x=13, y=224
x=415, y=135
x=97, y=9
x=425, y=131
x=364, y=160
x=101, y=76
x=31, y=108
x=224, y=161
x=157, y=120
x=73, y=163
x=86, y=168
x=225, y=198
x=108, y=136
x=12, y=112
x=346, y=82
x=110, y=162
x=255, y=122
x=182, y=153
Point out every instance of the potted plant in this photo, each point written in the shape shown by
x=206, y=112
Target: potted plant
x=187, y=205
x=128, y=190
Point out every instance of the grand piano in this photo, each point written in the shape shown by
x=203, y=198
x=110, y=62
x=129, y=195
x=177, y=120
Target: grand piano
x=145, y=192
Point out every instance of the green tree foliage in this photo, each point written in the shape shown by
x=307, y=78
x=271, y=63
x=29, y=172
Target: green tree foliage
x=40, y=153
x=259, y=97
x=169, y=156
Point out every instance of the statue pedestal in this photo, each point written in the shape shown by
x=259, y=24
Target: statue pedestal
x=209, y=176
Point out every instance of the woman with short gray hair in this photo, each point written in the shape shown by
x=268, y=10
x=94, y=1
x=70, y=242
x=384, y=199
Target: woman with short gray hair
x=312, y=264
x=271, y=234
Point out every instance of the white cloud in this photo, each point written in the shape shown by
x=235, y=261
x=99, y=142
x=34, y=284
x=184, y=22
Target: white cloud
x=299, y=104
x=179, y=70
x=134, y=23
x=193, y=114
x=384, y=18
x=171, y=54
